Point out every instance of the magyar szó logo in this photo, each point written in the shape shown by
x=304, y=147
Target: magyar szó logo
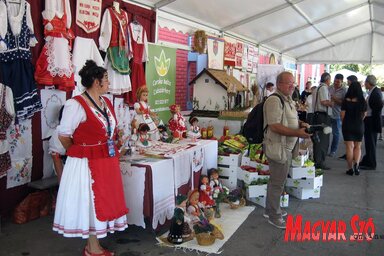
x=162, y=64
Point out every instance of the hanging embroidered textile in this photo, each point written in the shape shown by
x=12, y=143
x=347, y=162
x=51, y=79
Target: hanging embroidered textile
x=88, y=14
x=140, y=55
x=215, y=48
x=16, y=70
x=229, y=51
x=52, y=101
x=20, y=148
x=54, y=66
x=84, y=49
x=7, y=113
x=115, y=41
x=123, y=117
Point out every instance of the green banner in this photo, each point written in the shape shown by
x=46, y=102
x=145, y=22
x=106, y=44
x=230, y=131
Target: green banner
x=161, y=79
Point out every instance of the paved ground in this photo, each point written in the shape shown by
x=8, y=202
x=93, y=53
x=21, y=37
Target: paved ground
x=342, y=197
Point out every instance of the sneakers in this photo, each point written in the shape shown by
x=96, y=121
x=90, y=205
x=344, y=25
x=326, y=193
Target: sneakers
x=279, y=223
x=283, y=214
x=332, y=154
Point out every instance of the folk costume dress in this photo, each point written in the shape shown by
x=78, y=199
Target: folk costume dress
x=16, y=70
x=114, y=39
x=147, y=119
x=54, y=66
x=7, y=112
x=140, y=55
x=90, y=200
x=177, y=123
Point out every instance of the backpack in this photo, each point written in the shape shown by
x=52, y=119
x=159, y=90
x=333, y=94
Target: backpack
x=253, y=128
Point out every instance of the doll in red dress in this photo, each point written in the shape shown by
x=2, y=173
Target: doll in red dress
x=177, y=122
x=205, y=190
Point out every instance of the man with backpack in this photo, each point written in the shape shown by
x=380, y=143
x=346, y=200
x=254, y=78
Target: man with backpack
x=282, y=131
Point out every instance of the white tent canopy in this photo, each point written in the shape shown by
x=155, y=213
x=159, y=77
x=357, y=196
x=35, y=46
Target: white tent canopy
x=310, y=31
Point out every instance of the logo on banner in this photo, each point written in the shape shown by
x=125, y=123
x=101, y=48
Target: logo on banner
x=88, y=14
x=162, y=64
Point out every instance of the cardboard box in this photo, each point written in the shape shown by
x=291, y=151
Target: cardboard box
x=247, y=161
x=228, y=177
x=300, y=160
x=302, y=172
x=248, y=177
x=261, y=200
x=256, y=190
x=227, y=161
x=305, y=183
x=303, y=193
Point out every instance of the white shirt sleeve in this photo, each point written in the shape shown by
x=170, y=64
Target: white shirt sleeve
x=145, y=52
x=69, y=14
x=3, y=21
x=106, y=31
x=54, y=144
x=73, y=115
x=32, y=41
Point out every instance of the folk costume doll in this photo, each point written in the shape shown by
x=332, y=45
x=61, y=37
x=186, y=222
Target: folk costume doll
x=194, y=207
x=205, y=190
x=177, y=122
x=143, y=137
x=115, y=41
x=217, y=190
x=140, y=55
x=194, y=129
x=90, y=201
x=54, y=66
x=144, y=113
x=16, y=70
x=179, y=231
x=7, y=113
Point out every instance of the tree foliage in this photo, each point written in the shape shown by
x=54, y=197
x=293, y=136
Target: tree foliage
x=364, y=69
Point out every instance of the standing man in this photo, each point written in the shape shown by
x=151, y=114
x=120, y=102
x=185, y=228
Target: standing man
x=337, y=92
x=322, y=107
x=284, y=128
x=372, y=123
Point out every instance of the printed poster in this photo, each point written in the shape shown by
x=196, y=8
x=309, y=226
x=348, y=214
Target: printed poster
x=88, y=14
x=215, y=51
x=161, y=79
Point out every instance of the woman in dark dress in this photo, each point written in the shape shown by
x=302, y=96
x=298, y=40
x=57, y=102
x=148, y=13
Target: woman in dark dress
x=353, y=111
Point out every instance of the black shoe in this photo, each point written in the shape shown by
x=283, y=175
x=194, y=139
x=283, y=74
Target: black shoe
x=356, y=169
x=368, y=168
x=343, y=157
x=349, y=172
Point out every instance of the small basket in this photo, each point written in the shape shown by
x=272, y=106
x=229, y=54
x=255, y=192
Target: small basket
x=205, y=239
x=233, y=206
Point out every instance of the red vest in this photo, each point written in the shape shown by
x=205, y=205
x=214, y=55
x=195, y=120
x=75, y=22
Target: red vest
x=119, y=28
x=90, y=137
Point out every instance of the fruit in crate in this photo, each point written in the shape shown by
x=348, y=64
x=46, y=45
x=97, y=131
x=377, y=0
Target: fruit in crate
x=248, y=168
x=309, y=163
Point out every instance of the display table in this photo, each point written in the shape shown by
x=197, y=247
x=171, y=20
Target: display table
x=150, y=185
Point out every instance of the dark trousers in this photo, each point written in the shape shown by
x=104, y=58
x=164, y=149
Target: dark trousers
x=320, y=147
x=370, y=140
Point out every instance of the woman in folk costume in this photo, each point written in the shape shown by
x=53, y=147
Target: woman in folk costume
x=114, y=40
x=16, y=70
x=54, y=66
x=90, y=201
x=144, y=113
x=140, y=55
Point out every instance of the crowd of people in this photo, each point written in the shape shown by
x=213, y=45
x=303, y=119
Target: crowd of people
x=345, y=108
